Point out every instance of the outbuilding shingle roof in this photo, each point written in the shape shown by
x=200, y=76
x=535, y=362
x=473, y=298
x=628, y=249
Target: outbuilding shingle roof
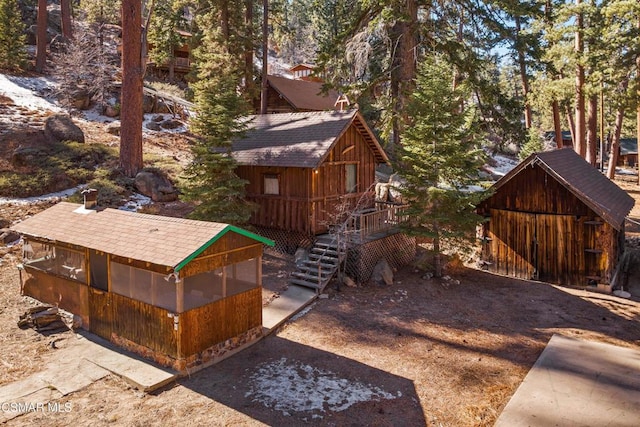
x=303, y=94
x=588, y=184
x=299, y=139
x=156, y=239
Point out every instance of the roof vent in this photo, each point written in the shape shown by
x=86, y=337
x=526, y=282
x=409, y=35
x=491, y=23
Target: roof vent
x=90, y=198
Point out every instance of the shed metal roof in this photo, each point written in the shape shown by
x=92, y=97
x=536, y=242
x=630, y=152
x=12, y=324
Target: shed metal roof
x=299, y=139
x=588, y=184
x=160, y=240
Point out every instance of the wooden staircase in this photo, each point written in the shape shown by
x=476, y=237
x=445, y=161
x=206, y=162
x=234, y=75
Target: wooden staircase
x=323, y=262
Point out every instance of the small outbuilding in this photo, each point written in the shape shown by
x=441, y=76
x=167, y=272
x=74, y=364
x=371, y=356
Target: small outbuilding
x=179, y=291
x=557, y=219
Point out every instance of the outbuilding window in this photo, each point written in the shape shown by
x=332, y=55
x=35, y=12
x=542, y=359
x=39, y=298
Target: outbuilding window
x=351, y=178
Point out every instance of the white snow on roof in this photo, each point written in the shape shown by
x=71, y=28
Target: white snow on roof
x=292, y=386
x=26, y=91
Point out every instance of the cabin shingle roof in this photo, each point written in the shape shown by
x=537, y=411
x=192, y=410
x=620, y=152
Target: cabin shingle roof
x=156, y=239
x=586, y=182
x=303, y=94
x=299, y=139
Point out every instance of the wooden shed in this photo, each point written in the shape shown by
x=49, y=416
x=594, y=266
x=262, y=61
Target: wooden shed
x=557, y=219
x=179, y=291
x=301, y=166
x=288, y=96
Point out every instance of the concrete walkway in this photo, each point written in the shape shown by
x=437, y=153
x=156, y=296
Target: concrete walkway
x=290, y=301
x=578, y=383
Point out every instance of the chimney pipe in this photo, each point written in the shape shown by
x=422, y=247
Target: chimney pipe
x=90, y=198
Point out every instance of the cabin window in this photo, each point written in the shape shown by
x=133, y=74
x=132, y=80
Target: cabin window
x=56, y=260
x=272, y=184
x=351, y=178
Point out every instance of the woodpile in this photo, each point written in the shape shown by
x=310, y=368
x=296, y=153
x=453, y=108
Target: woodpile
x=42, y=319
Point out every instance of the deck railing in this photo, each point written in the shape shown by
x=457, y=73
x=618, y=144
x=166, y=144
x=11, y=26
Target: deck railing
x=382, y=218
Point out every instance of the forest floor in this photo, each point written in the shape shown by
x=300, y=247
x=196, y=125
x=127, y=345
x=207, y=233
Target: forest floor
x=418, y=352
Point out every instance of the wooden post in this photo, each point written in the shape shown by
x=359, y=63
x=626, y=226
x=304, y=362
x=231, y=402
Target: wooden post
x=179, y=295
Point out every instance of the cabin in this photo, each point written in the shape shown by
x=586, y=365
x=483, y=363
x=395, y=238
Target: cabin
x=179, y=65
x=300, y=167
x=557, y=219
x=304, y=72
x=628, y=154
x=290, y=96
x=184, y=293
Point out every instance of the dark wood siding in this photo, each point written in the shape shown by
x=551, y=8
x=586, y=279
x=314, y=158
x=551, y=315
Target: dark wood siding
x=563, y=249
x=308, y=198
x=64, y=293
x=205, y=326
x=534, y=191
x=144, y=324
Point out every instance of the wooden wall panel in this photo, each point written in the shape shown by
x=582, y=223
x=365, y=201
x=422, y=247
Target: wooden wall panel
x=67, y=294
x=205, y=326
x=144, y=324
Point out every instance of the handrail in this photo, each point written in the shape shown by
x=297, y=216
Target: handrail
x=367, y=223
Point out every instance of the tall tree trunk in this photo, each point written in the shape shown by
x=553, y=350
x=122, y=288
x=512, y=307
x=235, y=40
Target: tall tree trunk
x=437, y=256
x=265, y=56
x=638, y=109
x=248, y=49
x=131, y=96
x=523, y=76
x=41, y=36
x=592, y=130
x=557, y=125
x=615, y=142
x=580, y=124
x=65, y=17
x=572, y=127
x=224, y=22
x=403, y=69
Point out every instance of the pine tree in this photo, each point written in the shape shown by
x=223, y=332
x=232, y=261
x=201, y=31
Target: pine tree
x=13, y=54
x=440, y=158
x=211, y=181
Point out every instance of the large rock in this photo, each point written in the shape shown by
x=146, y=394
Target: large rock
x=113, y=128
x=382, y=273
x=23, y=156
x=4, y=223
x=80, y=98
x=148, y=104
x=7, y=236
x=153, y=126
x=170, y=124
x=156, y=186
x=60, y=127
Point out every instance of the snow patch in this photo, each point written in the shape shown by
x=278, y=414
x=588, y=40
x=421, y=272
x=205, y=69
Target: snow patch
x=44, y=198
x=135, y=202
x=503, y=165
x=26, y=91
x=296, y=387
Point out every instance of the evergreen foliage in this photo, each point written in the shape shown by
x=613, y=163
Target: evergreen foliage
x=211, y=180
x=440, y=159
x=533, y=144
x=13, y=53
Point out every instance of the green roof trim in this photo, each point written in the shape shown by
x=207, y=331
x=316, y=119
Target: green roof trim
x=215, y=238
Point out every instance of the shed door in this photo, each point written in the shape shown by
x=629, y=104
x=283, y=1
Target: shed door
x=100, y=313
x=545, y=247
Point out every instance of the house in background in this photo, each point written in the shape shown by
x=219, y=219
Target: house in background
x=304, y=72
x=557, y=219
x=290, y=96
x=181, y=292
x=179, y=65
x=628, y=155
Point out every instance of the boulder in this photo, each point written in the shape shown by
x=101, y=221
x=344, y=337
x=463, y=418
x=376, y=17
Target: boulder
x=156, y=186
x=4, y=223
x=80, y=98
x=348, y=281
x=23, y=156
x=382, y=272
x=113, y=128
x=170, y=124
x=111, y=111
x=300, y=255
x=158, y=118
x=153, y=126
x=148, y=104
x=8, y=236
x=60, y=127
